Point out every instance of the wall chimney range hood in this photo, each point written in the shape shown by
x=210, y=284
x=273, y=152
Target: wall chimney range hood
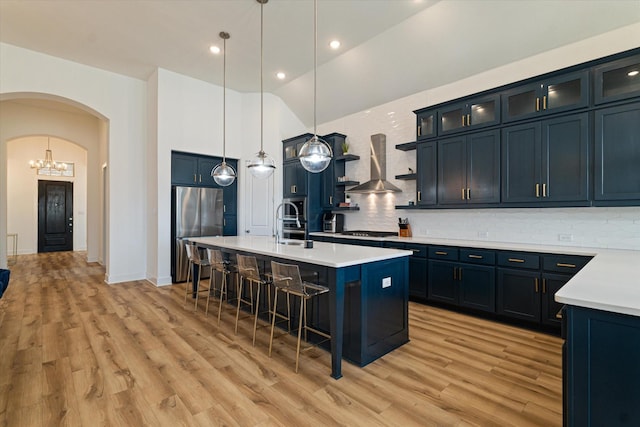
x=378, y=182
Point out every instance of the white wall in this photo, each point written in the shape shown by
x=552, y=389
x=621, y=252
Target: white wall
x=189, y=118
x=111, y=97
x=593, y=227
x=22, y=184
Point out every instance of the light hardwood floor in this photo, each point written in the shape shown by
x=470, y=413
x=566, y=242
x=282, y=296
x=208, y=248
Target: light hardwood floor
x=75, y=351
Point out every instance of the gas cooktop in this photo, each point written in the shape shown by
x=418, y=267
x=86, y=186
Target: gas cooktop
x=368, y=233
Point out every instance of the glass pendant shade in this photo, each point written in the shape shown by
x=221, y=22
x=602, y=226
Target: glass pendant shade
x=315, y=155
x=262, y=166
x=223, y=174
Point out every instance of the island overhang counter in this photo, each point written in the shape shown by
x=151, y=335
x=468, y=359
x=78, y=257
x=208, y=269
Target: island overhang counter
x=372, y=281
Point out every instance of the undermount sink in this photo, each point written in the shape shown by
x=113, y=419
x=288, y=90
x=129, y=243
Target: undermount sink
x=292, y=242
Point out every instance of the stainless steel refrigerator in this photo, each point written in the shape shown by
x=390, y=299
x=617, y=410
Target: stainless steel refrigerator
x=197, y=212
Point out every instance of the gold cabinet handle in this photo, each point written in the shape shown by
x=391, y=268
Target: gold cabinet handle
x=544, y=102
x=200, y=180
x=440, y=253
x=537, y=190
x=468, y=119
x=537, y=104
x=419, y=196
x=224, y=208
x=419, y=130
x=462, y=193
x=195, y=178
x=544, y=190
x=537, y=285
x=459, y=273
x=559, y=315
x=476, y=256
x=463, y=120
x=544, y=286
x=454, y=273
x=468, y=193
x=331, y=200
x=224, y=222
x=516, y=260
x=561, y=264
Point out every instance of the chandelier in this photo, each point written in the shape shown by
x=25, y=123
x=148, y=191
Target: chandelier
x=48, y=162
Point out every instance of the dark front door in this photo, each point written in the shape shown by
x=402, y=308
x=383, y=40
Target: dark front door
x=55, y=216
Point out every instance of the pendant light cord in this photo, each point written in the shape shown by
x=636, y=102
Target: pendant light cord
x=224, y=96
x=261, y=79
x=315, y=63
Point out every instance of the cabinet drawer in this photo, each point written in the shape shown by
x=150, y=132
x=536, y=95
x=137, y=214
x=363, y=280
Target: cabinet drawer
x=564, y=263
x=443, y=252
x=519, y=260
x=478, y=256
x=419, y=251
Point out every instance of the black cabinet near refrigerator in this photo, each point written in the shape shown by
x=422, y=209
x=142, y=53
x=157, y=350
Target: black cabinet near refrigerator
x=199, y=206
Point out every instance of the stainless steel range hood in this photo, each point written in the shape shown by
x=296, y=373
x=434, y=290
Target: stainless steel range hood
x=378, y=182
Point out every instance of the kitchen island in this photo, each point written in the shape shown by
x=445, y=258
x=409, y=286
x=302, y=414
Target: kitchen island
x=368, y=298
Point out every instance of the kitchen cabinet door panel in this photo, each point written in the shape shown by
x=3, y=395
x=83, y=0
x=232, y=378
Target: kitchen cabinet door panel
x=551, y=283
x=518, y=294
x=452, y=168
x=442, y=283
x=565, y=162
x=427, y=175
x=617, y=153
x=477, y=287
x=483, y=167
x=521, y=155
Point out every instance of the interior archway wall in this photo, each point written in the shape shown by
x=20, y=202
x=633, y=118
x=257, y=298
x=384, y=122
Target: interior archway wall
x=38, y=114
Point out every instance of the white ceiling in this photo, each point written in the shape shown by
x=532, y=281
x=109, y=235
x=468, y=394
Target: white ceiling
x=390, y=48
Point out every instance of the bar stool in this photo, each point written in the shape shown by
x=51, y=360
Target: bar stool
x=194, y=259
x=249, y=271
x=220, y=265
x=286, y=278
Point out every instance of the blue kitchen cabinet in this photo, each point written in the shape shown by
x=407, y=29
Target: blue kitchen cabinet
x=294, y=180
x=617, y=81
x=469, y=284
x=468, y=115
x=230, y=225
x=184, y=169
x=601, y=372
x=547, y=161
x=417, y=268
x=555, y=94
x=517, y=294
x=427, y=123
x=469, y=169
x=427, y=174
x=617, y=154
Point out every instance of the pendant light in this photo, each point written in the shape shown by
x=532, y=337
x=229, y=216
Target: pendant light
x=223, y=174
x=315, y=155
x=48, y=162
x=262, y=166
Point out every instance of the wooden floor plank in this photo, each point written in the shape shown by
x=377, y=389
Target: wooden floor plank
x=76, y=351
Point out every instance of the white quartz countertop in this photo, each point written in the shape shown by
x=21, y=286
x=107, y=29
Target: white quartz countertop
x=326, y=254
x=609, y=282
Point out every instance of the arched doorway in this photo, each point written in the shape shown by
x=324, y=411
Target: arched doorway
x=24, y=115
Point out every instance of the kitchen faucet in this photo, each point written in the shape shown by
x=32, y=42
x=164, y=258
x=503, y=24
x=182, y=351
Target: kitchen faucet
x=285, y=218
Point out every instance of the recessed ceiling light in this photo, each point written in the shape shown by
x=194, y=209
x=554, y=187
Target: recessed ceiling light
x=334, y=44
x=281, y=75
x=214, y=49
x=633, y=73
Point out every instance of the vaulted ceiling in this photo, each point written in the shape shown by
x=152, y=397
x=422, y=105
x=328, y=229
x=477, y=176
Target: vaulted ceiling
x=390, y=48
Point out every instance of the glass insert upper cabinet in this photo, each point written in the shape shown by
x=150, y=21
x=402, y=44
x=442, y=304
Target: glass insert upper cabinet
x=552, y=95
x=476, y=113
x=617, y=80
x=426, y=123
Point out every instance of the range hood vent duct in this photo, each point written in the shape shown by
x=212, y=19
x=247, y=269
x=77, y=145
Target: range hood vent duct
x=378, y=182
